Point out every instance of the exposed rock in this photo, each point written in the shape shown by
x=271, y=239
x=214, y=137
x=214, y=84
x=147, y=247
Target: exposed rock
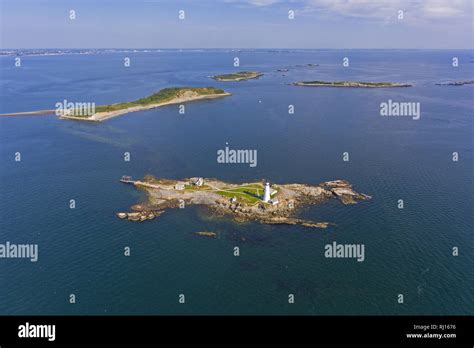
x=215, y=194
x=206, y=234
x=455, y=83
x=140, y=215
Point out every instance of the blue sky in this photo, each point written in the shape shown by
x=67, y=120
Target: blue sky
x=236, y=24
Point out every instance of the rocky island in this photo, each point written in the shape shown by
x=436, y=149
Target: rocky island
x=256, y=201
x=206, y=234
x=455, y=83
x=238, y=76
x=305, y=65
x=350, y=84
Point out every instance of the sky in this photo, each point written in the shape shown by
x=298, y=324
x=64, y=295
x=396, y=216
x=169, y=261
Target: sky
x=345, y=24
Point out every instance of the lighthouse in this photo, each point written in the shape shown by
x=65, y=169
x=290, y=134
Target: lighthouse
x=266, y=193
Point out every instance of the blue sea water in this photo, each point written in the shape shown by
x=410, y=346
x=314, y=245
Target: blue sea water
x=81, y=251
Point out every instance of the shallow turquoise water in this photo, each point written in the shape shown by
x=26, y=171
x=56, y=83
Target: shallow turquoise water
x=81, y=251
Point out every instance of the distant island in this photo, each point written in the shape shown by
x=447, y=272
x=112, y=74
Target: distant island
x=166, y=96
x=455, y=83
x=238, y=76
x=305, y=65
x=263, y=203
x=350, y=84
x=298, y=66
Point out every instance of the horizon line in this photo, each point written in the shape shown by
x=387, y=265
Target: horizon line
x=225, y=48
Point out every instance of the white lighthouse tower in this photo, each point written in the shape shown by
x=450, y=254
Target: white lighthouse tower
x=266, y=193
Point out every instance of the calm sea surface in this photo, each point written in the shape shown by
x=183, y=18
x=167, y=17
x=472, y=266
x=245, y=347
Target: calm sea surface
x=407, y=251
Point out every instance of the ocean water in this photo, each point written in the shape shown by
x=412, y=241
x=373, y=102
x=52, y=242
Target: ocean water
x=407, y=251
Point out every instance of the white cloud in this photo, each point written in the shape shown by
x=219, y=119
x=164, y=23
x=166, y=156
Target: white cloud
x=262, y=2
x=376, y=9
x=259, y=3
x=383, y=8
x=453, y=8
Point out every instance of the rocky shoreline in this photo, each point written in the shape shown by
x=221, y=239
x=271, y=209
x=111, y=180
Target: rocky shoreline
x=282, y=209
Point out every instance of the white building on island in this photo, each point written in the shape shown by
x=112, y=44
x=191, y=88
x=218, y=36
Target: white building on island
x=266, y=193
x=197, y=181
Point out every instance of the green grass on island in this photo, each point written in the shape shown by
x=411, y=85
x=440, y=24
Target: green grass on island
x=350, y=84
x=247, y=194
x=238, y=76
x=164, y=95
x=192, y=187
x=150, y=179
